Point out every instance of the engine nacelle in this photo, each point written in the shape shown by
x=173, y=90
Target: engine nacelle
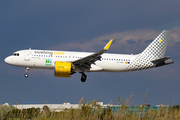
x=62, y=69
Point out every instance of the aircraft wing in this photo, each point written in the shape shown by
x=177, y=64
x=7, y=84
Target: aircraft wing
x=88, y=60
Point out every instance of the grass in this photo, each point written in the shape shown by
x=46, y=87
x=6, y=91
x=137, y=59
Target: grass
x=92, y=111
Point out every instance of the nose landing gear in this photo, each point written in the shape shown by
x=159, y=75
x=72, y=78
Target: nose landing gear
x=27, y=70
x=26, y=75
x=83, y=77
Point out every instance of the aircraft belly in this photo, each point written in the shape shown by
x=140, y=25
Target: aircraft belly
x=95, y=68
x=112, y=66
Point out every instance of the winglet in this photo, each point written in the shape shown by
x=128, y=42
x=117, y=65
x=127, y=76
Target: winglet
x=108, y=45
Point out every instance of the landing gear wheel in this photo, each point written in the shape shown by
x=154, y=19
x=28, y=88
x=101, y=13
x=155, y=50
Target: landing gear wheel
x=26, y=75
x=83, y=78
x=27, y=70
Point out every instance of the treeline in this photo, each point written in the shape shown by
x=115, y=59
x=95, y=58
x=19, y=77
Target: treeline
x=91, y=111
x=7, y=112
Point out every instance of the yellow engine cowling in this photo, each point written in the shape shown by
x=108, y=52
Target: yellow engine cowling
x=62, y=69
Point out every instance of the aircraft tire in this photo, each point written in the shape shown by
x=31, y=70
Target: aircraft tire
x=26, y=75
x=83, y=78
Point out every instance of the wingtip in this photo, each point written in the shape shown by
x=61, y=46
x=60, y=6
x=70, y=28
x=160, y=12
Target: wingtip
x=108, y=45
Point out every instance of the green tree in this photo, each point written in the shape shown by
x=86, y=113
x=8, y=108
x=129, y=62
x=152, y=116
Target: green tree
x=175, y=107
x=46, y=109
x=4, y=109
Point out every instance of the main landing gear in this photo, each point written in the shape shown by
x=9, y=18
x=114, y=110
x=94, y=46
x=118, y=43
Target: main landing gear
x=27, y=70
x=83, y=77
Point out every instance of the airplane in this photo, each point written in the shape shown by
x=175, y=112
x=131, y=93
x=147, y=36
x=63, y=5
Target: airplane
x=66, y=63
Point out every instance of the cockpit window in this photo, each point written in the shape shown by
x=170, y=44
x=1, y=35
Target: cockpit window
x=16, y=54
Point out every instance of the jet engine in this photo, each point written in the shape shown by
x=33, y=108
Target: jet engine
x=62, y=69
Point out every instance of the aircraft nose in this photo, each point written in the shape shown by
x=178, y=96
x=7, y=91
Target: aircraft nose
x=7, y=60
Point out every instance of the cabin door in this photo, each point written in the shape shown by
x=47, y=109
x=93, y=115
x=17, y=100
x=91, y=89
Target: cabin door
x=27, y=56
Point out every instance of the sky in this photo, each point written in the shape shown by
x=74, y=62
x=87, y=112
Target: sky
x=87, y=26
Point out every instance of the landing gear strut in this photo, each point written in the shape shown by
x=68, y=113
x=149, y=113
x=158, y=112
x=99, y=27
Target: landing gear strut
x=83, y=77
x=27, y=70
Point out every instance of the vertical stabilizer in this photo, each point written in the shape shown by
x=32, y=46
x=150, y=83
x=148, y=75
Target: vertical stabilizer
x=155, y=51
x=157, y=48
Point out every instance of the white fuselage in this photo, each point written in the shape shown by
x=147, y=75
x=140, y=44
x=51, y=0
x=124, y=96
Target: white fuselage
x=45, y=59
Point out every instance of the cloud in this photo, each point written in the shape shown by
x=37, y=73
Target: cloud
x=175, y=34
x=124, y=42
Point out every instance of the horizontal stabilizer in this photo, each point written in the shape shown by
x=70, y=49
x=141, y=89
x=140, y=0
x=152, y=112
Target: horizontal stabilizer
x=160, y=60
